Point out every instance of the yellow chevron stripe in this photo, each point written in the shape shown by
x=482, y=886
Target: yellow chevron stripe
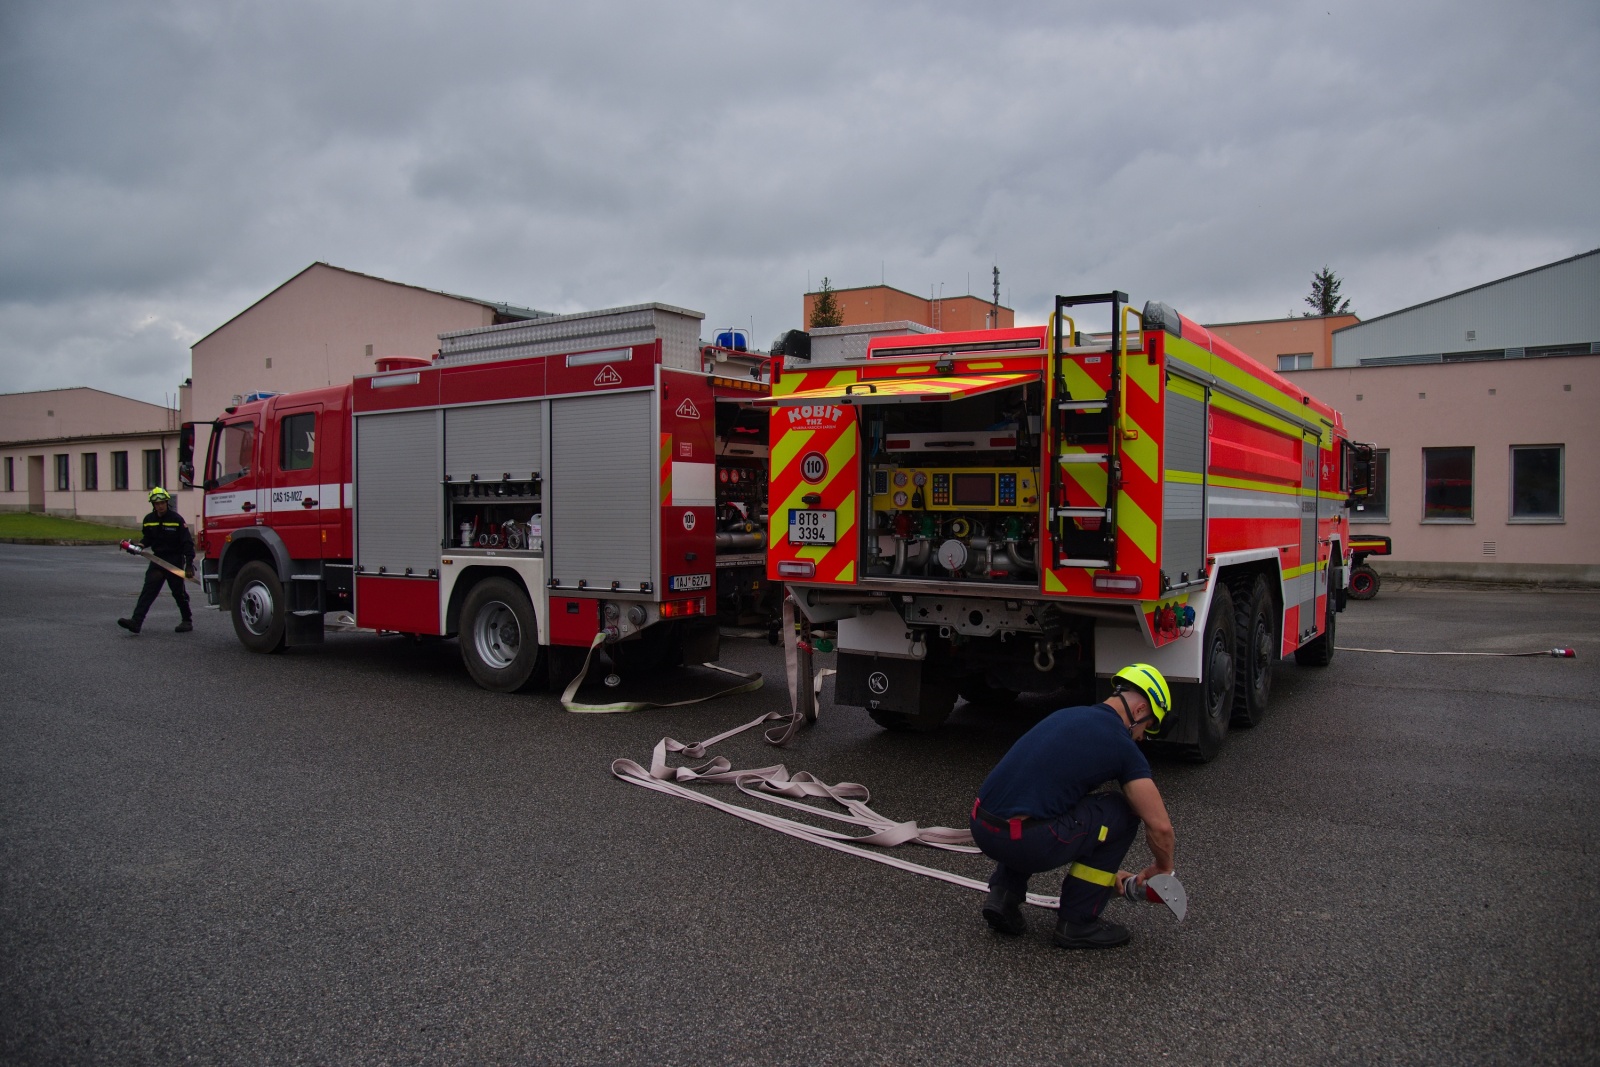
x=1133, y=523
x=847, y=573
x=1142, y=450
x=786, y=447
x=1053, y=584
x=1079, y=385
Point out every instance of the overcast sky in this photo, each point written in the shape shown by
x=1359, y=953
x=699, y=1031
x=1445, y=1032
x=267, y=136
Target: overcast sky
x=164, y=163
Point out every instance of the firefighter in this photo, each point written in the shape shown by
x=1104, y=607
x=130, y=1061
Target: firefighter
x=167, y=536
x=1038, y=811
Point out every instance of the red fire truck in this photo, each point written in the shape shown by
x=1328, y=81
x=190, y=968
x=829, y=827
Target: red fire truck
x=530, y=486
x=1023, y=509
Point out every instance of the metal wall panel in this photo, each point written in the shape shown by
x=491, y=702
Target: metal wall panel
x=602, y=490
x=678, y=328
x=399, y=499
x=1183, y=514
x=494, y=440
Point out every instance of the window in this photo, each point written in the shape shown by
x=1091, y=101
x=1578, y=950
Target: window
x=152, y=467
x=1295, y=361
x=63, y=471
x=297, y=437
x=1447, y=485
x=119, y=470
x=234, y=449
x=91, y=470
x=1376, y=507
x=11, y=475
x=1536, y=483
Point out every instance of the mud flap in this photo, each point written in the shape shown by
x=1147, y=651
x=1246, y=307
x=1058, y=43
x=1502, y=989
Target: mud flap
x=879, y=683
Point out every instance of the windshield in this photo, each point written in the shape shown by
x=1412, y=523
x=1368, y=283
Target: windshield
x=232, y=453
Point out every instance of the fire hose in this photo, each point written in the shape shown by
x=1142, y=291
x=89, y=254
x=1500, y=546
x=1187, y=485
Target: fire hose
x=133, y=548
x=747, y=683
x=1557, y=653
x=776, y=785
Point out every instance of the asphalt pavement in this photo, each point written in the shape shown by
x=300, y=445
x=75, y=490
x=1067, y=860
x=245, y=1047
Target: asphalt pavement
x=349, y=854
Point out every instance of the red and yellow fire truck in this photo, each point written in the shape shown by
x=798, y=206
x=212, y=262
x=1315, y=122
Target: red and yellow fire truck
x=1022, y=509
x=532, y=485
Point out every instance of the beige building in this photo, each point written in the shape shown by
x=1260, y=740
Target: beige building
x=322, y=327
x=884, y=303
x=1286, y=344
x=84, y=453
x=1487, y=469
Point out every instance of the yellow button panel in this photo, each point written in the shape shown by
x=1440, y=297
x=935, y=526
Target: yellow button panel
x=955, y=489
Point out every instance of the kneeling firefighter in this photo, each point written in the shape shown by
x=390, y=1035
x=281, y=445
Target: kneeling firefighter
x=1038, y=811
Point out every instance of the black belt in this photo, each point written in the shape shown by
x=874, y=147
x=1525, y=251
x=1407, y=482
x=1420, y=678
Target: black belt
x=1015, y=822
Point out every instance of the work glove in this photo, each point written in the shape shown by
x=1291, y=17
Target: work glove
x=188, y=572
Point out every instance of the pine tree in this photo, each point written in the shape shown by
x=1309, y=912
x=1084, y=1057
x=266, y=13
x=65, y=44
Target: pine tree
x=825, y=310
x=1324, y=298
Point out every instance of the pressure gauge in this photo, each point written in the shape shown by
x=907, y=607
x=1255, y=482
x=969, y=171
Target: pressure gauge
x=920, y=479
x=900, y=478
x=900, y=500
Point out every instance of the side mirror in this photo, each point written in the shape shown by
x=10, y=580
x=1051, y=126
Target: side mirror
x=186, y=455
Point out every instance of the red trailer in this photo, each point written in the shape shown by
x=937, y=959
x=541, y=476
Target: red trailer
x=529, y=487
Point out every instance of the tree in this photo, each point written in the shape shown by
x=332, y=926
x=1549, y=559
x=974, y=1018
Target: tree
x=1324, y=298
x=825, y=310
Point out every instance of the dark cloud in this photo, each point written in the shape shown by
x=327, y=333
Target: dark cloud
x=164, y=164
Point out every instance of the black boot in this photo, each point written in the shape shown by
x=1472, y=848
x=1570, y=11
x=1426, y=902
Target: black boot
x=1096, y=933
x=183, y=627
x=1003, y=912
x=130, y=625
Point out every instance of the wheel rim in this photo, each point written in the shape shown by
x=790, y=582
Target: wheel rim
x=1360, y=583
x=256, y=608
x=1261, y=661
x=497, y=635
x=1220, y=673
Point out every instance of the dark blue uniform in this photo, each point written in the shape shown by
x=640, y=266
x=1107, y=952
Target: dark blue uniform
x=1038, y=810
x=168, y=537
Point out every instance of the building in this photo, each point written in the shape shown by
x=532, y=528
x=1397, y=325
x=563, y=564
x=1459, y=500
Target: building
x=884, y=303
x=1481, y=405
x=1304, y=343
x=1553, y=310
x=322, y=327
x=84, y=453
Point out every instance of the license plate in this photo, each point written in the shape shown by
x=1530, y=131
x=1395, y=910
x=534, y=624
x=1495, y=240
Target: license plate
x=683, y=583
x=808, y=527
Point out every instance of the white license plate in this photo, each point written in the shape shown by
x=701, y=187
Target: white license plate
x=683, y=583
x=807, y=527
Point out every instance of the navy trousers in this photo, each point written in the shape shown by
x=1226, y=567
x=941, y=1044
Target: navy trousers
x=154, y=578
x=1089, y=841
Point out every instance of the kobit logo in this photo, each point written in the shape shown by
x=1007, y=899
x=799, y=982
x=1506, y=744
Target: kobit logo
x=814, y=415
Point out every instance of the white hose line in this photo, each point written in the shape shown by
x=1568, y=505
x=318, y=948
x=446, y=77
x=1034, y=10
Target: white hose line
x=777, y=786
x=1558, y=653
x=747, y=683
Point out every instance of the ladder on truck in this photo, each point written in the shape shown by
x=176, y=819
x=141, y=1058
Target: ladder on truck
x=1086, y=430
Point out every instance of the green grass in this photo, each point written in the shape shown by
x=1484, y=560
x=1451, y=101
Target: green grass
x=32, y=525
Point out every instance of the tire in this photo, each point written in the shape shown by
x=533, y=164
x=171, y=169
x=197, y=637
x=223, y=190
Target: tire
x=499, y=636
x=259, y=611
x=1319, y=652
x=976, y=689
x=1364, y=582
x=1210, y=701
x=1256, y=634
x=562, y=664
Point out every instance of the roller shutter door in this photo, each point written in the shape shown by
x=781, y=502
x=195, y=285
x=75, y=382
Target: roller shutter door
x=494, y=441
x=399, y=496
x=602, y=490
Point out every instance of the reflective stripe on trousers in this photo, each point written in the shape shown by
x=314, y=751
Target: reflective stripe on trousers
x=1089, y=841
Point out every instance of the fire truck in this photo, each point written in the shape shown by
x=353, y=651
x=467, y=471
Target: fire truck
x=991, y=512
x=529, y=487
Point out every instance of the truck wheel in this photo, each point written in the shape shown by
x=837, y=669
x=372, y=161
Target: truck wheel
x=1319, y=652
x=976, y=689
x=258, y=608
x=499, y=636
x=1257, y=634
x=1209, y=702
x=1364, y=582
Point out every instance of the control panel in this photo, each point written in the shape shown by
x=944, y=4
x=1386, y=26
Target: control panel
x=955, y=489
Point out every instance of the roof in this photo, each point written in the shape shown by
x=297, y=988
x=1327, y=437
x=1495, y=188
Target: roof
x=1289, y=318
x=129, y=435
x=1472, y=289
x=86, y=389
x=914, y=296
x=510, y=311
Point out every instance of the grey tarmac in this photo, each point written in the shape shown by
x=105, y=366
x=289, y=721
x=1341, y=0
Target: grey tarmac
x=349, y=854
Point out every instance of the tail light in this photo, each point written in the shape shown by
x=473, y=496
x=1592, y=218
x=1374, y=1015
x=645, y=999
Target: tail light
x=678, y=609
x=797, y=568
x=1118, y=583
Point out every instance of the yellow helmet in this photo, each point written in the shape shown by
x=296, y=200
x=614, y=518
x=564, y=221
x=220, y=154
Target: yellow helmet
x=1147, y=680
x=159, y=494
